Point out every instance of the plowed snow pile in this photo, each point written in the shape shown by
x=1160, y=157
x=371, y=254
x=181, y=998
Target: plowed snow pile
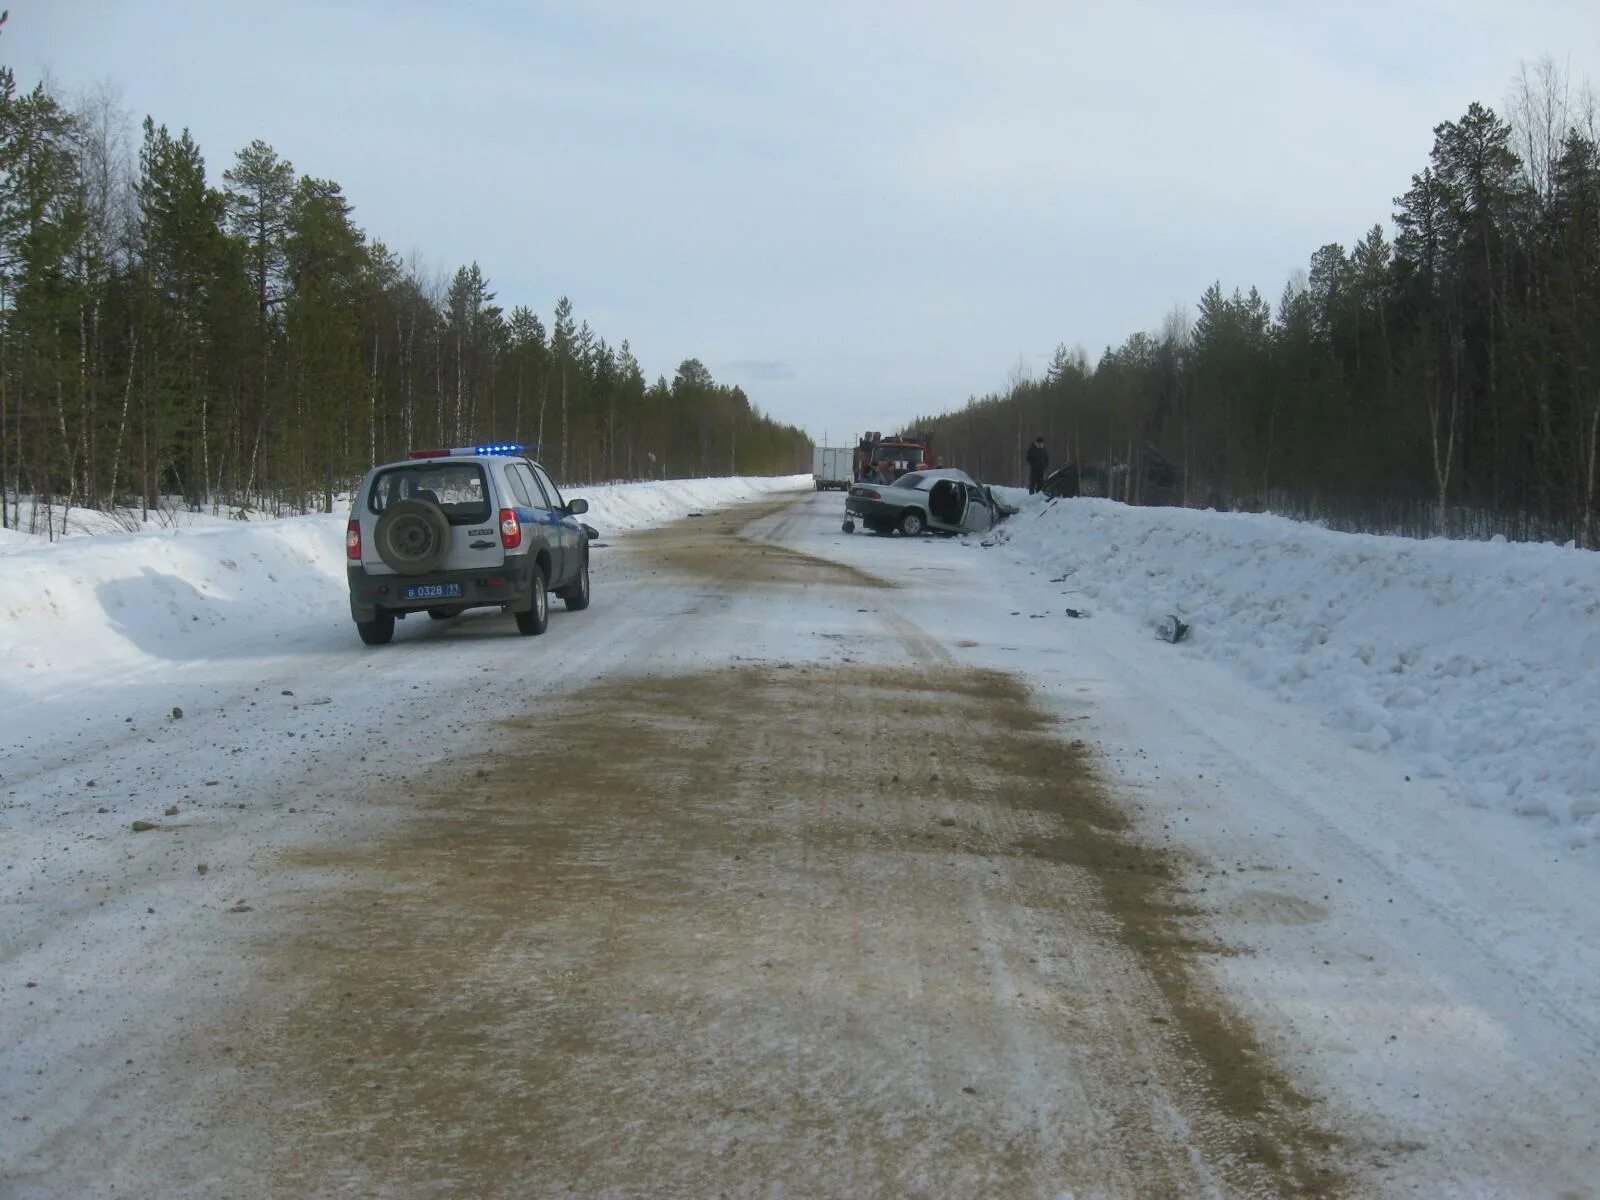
x=1472, y=663
x=90, y=606
x=1475, y=663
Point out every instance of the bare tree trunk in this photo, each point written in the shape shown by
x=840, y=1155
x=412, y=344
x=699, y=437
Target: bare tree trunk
x=1186, y=495
x=1443, y=456
x=372, y=401
x=438, y=385
x=205, y=449
x=459, y=384
x=255, y=453
x=516, y=413
x=1266, y=460
x=405, y=342
x=215, y=485
x=67, y=447
x=144, y=452
x=85, y=449
x=1586, y=525
x=9, y=519
x=122, y=423
x=544, y=398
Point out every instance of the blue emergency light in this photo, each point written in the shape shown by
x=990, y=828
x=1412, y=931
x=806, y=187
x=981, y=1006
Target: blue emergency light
x=457, y=451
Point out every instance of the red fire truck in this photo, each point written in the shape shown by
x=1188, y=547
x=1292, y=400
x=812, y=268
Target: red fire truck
x=888, y=458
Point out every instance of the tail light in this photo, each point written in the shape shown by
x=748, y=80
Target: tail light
x=510, y=529
x=352, y=541
x=868, y=493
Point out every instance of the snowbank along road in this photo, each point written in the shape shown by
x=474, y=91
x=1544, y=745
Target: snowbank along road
x=800, y=864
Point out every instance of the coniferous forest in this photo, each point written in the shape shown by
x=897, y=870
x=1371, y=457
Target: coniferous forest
x=1444, y=381
x=241, y=342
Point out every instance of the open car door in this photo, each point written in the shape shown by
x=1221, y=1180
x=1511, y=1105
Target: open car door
x=947, y=504
x=980, y=514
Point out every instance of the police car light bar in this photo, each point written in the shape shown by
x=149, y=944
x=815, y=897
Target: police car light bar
x=491, y=448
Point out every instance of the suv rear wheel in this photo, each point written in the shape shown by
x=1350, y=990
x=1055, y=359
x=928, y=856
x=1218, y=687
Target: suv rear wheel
x=378, y=631
x=536, y=618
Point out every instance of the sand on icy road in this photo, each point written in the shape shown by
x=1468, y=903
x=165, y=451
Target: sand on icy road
x=773, y=928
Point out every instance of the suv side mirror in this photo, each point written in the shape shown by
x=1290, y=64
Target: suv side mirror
x=577, y=507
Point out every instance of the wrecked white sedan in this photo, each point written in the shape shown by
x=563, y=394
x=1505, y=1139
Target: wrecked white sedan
x=943, y=500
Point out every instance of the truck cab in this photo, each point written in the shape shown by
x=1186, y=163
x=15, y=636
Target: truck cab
x=884, y=459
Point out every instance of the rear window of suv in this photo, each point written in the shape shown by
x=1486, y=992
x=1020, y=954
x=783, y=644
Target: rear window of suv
x=459, y=489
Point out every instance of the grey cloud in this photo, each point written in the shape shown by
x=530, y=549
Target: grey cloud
x=763, y=369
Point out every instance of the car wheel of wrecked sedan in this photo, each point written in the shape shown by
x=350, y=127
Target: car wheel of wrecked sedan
x=535, y=619
x=576, y=597
x=412, y=537
x=911, y=522
x=848, y=527
x=378, y=631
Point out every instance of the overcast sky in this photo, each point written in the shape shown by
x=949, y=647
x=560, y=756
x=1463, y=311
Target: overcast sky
x=859, y=211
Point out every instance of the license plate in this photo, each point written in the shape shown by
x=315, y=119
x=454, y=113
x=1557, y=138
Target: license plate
x=432, y=591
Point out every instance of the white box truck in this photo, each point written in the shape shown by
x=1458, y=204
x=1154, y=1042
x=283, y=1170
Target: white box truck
x=832, y=467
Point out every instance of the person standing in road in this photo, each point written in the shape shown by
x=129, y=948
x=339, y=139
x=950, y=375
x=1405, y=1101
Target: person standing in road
x=1038, y=462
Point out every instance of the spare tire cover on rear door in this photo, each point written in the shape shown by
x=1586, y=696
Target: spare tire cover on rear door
x=413, y=537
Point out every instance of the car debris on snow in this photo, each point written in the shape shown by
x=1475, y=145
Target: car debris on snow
x=1171, y=629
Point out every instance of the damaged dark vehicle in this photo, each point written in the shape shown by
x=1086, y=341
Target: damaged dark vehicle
x=944, y=500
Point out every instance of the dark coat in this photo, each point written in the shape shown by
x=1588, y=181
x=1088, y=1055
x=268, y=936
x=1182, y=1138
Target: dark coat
x=1038, y=459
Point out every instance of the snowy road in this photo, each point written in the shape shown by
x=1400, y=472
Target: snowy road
x=764, y=877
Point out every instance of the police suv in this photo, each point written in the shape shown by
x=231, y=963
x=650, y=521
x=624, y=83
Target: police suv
x=447, y=530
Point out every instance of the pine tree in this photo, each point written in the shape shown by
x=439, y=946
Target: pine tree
x=181, y=260
x=1574, y=313
x=528, y=354
x=260, y=192
x=326, y=262
x=42, y=225
x=563, y=346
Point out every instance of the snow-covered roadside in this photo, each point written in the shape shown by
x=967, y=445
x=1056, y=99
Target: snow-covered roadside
x=1471, y=663
x=92, y=607
x=619, y=507
x=625, y=506
x=34, y=524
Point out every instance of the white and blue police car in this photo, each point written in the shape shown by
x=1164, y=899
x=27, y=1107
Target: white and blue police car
x=443, y=531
